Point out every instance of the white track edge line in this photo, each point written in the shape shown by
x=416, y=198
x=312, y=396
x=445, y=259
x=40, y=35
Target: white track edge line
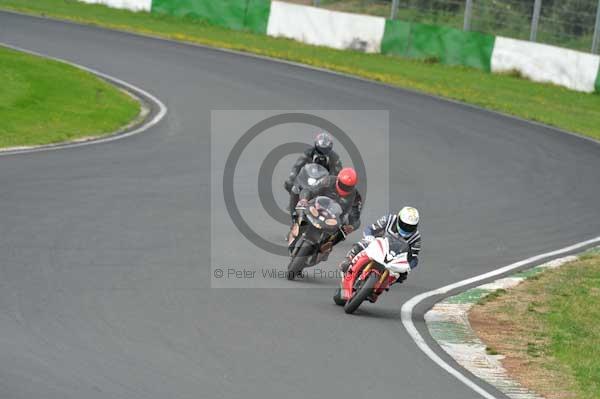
x=408, y=307
x=162, y=108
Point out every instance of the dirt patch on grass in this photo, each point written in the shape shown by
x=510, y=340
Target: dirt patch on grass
x=512, y=339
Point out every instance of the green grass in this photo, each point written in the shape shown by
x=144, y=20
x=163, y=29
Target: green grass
x=571, y=317
x=553, y=105
x=491, y=351
x=43, y=102
x=491, y=296
x=551, y=324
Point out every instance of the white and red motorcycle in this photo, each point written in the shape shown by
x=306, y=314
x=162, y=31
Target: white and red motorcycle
x=373, y=271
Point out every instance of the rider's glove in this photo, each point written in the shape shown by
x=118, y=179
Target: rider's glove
x=288, y=184
x=301, y=205
x=368, y=239
x=347, y=229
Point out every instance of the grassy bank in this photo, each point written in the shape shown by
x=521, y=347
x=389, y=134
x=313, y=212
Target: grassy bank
x=549, y=330
x=549, y=104
x=43, y=102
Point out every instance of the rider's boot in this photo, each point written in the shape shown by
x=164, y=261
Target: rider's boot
x=401, y=278
x=345, y=265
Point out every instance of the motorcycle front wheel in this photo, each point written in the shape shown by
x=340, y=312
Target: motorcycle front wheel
x=363, y=293
x=298, y=262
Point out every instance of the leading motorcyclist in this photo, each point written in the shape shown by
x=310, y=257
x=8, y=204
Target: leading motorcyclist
x=342, y=189
x=321, y=153
x=403, y=225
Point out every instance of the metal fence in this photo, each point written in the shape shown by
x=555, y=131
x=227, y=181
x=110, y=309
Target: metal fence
x=567, y=23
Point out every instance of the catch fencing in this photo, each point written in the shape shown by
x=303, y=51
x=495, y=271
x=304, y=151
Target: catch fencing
x=573, y=24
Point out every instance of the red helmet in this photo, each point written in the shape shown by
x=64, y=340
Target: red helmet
x=346, y=180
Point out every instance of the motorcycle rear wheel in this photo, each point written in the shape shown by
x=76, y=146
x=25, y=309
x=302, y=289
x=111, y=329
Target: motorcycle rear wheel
x=363, y=293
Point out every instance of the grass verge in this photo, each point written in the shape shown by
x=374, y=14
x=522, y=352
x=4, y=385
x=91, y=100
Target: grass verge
x=548, y=329
x=44, y=101
x=552, y=105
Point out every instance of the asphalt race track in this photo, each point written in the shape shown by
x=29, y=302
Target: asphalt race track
x=105, y=249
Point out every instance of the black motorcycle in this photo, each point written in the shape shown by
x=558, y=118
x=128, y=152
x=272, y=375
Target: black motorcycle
x=312, y=237
x=309, y=175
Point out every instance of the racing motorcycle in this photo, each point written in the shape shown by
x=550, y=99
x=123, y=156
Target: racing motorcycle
x=372, y=272
x=311, y=238
x=309, y=175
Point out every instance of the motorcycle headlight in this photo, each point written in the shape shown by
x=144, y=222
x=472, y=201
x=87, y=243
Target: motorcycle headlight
x=331, y=222
x=314, y=221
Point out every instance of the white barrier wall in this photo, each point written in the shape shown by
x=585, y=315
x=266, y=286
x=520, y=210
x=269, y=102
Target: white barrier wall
x=544, y=63
x=326, y=28
x=134, y=5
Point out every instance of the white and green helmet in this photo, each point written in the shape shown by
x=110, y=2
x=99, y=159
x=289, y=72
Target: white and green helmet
x=408, y=221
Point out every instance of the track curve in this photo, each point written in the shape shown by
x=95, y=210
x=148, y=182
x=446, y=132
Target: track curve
x=153, y=112
x=104, y=292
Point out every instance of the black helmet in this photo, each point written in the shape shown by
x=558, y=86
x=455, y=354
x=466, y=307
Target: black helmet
x=323, y=143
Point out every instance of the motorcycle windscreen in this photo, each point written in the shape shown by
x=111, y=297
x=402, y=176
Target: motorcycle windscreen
x=309, y=175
